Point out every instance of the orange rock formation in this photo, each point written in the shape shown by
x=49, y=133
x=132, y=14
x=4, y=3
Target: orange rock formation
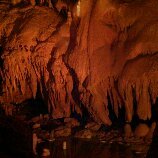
x=109, y=50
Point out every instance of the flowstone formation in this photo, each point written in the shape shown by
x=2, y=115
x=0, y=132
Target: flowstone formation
x=103, y=56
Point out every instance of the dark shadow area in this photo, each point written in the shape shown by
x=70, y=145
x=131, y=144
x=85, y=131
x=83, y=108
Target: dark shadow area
x=15, y=138
x=117, y=121
x=153, y=150
x=77, y=148
x=16, y=133
x=32, y=108
x=1, y=67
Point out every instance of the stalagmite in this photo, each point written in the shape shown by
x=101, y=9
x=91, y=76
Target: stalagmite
x=128, y=130
x=35, y=141
x=141, y=130
x=64, y=146
x=151, y=131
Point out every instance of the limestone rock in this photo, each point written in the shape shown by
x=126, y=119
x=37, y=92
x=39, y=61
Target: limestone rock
x=141, y=130
x=71, y=122
x=35, y=141
x=36, y=125
x=151, y=131
x=8, y=109
x=86, y=134
x=33, y=2
x=35, y=119
x=108, y=54
x=62, y=132
x=93, y=126
x=128, y=130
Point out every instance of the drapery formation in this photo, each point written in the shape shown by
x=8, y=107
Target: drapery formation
x=109, y=51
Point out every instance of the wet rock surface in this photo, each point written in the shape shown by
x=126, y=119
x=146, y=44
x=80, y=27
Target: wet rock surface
x=56, y=137
x=99, y=140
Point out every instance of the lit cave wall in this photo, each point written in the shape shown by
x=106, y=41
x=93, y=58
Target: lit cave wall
x=101, y=56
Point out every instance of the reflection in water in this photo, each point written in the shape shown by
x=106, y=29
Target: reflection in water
x=89, y=149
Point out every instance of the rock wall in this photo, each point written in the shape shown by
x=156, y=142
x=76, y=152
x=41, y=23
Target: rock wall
x=108, y=50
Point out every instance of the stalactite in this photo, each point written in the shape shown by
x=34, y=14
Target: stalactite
x=144, y=104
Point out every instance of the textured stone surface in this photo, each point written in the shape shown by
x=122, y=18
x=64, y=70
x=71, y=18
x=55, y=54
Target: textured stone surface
x=62, y=132
x=128, y=130
x=85, y=134
x=93, y=126
x=71, y=122
x=141, y=130
x=151, y=131
x=110, y=51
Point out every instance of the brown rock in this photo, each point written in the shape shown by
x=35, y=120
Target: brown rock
x=101, y=135
x=33, y=2
x=36, y=125
x=86, y=134
x=93, y=126
x=14, y=2
x=46, y=116
x=8, y=108
x=141, y=130
x=35, y=142
x=46, y=152
x=151, y=131
x=71, y=122
x=62, y=132
x=128, y=130
x=52, y=136
x=35, y=119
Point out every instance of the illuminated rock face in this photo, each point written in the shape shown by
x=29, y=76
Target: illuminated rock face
x=110, y=51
